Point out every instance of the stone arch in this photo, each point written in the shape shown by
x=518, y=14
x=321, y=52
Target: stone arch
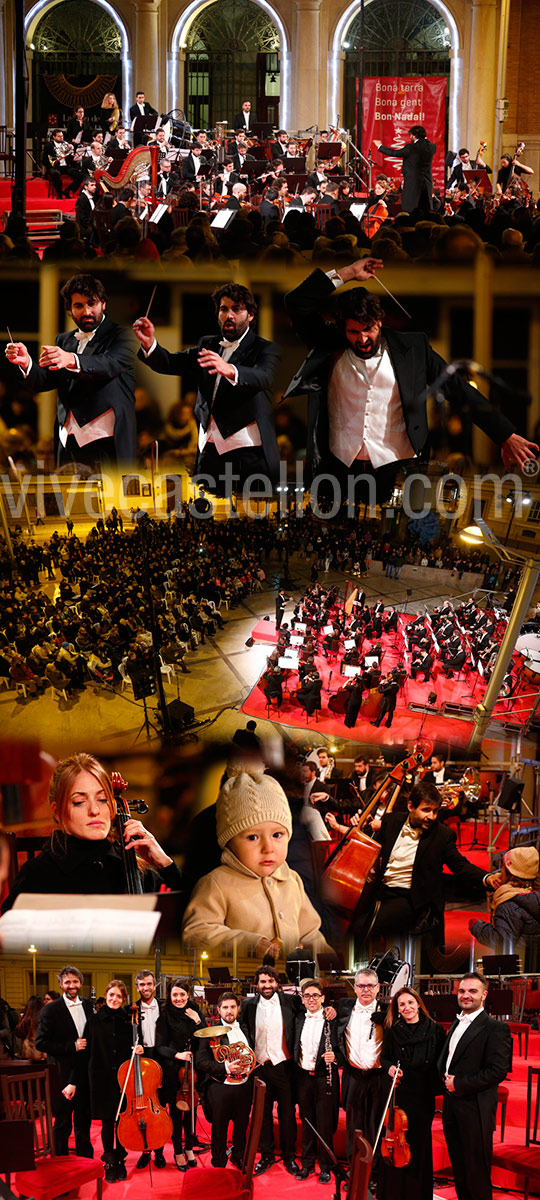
x=39, y=9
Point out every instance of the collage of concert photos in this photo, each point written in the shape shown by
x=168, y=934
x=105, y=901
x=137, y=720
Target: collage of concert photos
x=269, y=666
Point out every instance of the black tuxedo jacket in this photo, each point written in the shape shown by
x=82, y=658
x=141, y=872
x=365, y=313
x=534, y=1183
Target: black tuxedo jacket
x=481, y=1062
x=56, y=1036
x=106, y=380
x=290, y=1009
x=171, y=181
x=269, y=212
x=415, y=365
x=234, y=407
x=437, y=848
x=84, y=214
x=233, y=178
x=188, y=169
x=417, y=175
x=73, y=129
x=148, y=111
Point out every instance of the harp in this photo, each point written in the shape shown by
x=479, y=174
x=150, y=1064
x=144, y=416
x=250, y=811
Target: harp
x=136, y=163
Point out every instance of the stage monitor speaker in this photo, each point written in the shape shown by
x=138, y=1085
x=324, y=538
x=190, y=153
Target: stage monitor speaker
x=181, y=715
x=510, y=797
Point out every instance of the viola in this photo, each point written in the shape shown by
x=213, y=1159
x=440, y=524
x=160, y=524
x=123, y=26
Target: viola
x=187, y=1097
x=144, y=1125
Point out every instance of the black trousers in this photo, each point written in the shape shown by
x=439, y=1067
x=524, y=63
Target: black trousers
x=387, y=710
x=279, y=1088
x=181, y=1124
x=74, y=1112
x=321, y=1108
x=364, y=1104
x=396, y=913
x=469, y=1156
x=228, y=1102
x=243, y=463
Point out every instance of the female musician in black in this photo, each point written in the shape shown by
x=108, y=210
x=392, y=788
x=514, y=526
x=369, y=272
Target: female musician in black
x=110, y=1042
x=175, y=1027
x=415, y=1041
x=83, y=855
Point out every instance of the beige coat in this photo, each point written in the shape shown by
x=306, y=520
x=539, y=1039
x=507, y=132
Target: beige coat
x=232, y=903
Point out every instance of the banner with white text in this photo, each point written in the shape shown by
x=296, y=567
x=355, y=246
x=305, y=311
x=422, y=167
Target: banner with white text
x=390, y=105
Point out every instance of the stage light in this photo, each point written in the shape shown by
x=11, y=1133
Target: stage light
x=473, y=535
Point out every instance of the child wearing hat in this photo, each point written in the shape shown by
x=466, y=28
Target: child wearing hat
x=253, y=898
x=515, y=903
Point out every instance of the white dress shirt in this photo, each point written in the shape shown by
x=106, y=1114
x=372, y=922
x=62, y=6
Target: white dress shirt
x=465, y=1020
x=76, y=1011
x=360, y=1040
x=269, y=1031
x=149, y=1016
x=399, y=867
x=310, y=1040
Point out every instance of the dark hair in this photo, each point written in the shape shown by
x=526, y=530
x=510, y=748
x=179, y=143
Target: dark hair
x=227, y=996
x=393, y=1013
x=312, y=983
x=88, y=179
x=126, y=193
x=142, y=975
x=69, y=971
x=271, y=971
x=508, y=157
x=271, y=193
x=418, y=131
x=359, y=305
x=475, y=975
x=86, y=285
x=51, y=992
x=425, y=793
x=463, y=150
x=117, y=983
x=179, y=982
x=238, y=293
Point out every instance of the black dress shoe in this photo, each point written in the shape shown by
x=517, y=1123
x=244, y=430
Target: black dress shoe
x=305, y=1172
x=235, y=1162
x=143, y=1161
x=110, y=1173
x=325, y=1177
x=291, y=1166
x=121, y=1172
x=159, y=1159
x=263, y=1165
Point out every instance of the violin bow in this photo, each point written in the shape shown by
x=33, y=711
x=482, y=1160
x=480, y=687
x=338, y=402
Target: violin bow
x=386, y=1107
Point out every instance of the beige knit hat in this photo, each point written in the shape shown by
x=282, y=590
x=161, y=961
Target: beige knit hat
x=247, y=798
x=522, y=862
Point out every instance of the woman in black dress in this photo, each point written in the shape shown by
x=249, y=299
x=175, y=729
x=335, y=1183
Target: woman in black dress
x=175, y=1027
x=110, y=1042
x=83, y=856
x=415, y=1041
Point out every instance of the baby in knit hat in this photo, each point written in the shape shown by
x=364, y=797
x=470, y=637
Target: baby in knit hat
x=253, y=898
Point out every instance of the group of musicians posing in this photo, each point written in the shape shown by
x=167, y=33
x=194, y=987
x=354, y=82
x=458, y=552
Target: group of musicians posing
x=454, y=637
x=308, y=1053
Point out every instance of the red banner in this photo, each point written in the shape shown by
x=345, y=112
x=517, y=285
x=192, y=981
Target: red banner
x=390, y=105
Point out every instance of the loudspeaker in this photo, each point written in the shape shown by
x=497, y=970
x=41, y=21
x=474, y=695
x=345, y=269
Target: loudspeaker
x=510, y=797
x=181, y=715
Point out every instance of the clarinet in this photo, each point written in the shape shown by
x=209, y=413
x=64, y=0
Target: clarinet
x=328, y=1050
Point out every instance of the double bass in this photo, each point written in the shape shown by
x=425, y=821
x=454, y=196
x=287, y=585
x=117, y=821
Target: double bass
x=350, y=870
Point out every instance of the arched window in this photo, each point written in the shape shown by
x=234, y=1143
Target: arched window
x=232, y=55
x=77, y=59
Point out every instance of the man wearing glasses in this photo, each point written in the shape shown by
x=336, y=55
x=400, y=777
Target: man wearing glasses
x=359, y=1035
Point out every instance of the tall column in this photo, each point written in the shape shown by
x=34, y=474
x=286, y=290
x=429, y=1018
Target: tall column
x=146, y=76
x=5, y=57
x=482, y=77
x=304, y=108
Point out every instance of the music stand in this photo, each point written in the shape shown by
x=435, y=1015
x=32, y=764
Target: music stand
x=329, y=150
x=263, y=130
x=500, y=964
x=479, y=177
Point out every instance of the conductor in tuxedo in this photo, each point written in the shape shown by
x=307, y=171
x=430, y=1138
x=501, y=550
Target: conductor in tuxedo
x=93, y=371
x=61, y=1035
x=366, y=387
x=417, y=174
x=475, y=1059
x=235, y=376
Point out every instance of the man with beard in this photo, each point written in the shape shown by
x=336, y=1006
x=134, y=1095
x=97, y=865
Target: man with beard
x=366, y=387
x=268, y=1021
x=226, y=1088
x=61, y=1035
x=415, y=848
x=235, y=376
x=93, y=371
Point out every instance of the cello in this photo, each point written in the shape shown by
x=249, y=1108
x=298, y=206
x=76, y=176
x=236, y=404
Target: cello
x=132, y=872
x=350, y=871
x=145, y=1125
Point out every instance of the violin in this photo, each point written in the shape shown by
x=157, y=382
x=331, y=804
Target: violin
x=394, y=1145
x=144, y=1125
x=132, y=871
x=187, y=1097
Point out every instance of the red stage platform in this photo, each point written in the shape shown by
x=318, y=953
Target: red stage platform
x=447, y=721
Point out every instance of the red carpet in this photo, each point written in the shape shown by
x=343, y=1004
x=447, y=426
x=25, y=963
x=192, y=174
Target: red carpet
x=437, y=724
x=168, y=1183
